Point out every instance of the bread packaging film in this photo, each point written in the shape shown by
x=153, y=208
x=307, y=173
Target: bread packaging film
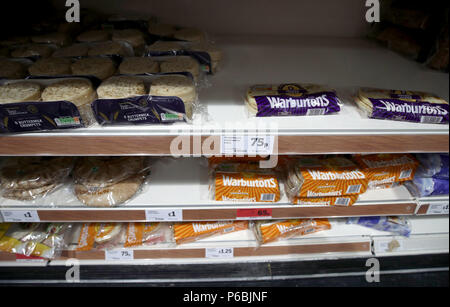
x=109, y=181
x=326, y=177
x=291, y=99
x=145, y=234
x=396, y=225
x=145, y=99
x=30, y=179
x=44, y=240
x=41, y=104
x=345, y=200
x=270, y=231
x=99, y=236
x=411, y=106
x=386, y=170
x=193, y=231
x=244, y=182
x=14, y=68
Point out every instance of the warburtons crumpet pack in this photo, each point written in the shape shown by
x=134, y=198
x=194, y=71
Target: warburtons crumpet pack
x=189, y=232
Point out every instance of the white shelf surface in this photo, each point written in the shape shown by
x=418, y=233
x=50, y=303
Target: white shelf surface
x=342, y=63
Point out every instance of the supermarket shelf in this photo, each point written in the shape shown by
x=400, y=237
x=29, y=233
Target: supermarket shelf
x=183, y=184
x=433, y=205
x=223, y=111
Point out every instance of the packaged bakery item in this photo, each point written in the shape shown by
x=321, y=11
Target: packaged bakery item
x=270, y=231
x=385, y=170
x=138, y=65
x=145, y=234
x=93, y=36
x=163, y=48
x=146, y=99
x=291, y=99
x=100, y=67
x=397, y=225
x=99, y=236
x=315, y=177
x=44, y=240
x=118, y=48
x=50, y=67
x=178, y=64
x=132, y=36
x=13, y=69
x=346, y=200
x=75, y=50
x=190, y=34
x=15, y=40
x=161, y=30
x=412, y=106
x=433, y=165
x=56, y=38
x=33, y=51
x=190, y=232
x=30, y=178
x=109, y=181
x=246, y=185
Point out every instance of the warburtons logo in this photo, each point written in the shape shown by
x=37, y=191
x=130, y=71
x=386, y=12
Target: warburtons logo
x=255, y=183
x=207, y=227
x=351, y=175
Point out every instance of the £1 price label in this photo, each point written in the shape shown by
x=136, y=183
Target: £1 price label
x=436, y=209
x=164, y=215
x=219, y=252
x=20, y=216
x=118, y=255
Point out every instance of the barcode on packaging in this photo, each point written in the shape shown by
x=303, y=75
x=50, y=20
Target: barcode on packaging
x=342, y=201
x=267, y=197
x=431, y=119
x=315, y=112
x=353, y=189
x=405, y=174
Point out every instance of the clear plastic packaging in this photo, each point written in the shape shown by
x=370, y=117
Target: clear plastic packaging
x=412, y=106
x=99, y=236
x=426, y=186
x=146, y=234
x=45, y=240
x=191, y=232
x=56, y=38
x=14, y=68
x=270, y=231
x=397, y=225
x=33, y=51
x=387, y=170
x=146, y=99
x=31, y=178
x=109, y=181
x=433, y=165
x=291, y=99
x=46, y=103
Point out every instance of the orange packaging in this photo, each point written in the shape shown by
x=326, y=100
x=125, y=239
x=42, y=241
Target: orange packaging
x=246, y=186
x=273, y=231
x=329, y=177
x=143, y=233
x=189, y=232
x=346, y=200
x=384, y=170
x=86, y=239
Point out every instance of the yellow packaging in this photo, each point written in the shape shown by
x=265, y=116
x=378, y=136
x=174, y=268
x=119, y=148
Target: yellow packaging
x=384, y=170
x=346, y=200
x=246, y=186
x=271, y=231
x=189, y=232
x=329, y=177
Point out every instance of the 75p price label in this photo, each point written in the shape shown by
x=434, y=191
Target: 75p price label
x=219, y=252
x=119, y=255
x=20, y=216
x=247, y=144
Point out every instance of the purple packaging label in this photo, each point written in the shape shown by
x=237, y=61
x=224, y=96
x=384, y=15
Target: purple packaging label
x=418, y=112
x=309, y=104
x=431, y=186
x=39, y=116
x=139, y=110
x=433, y=165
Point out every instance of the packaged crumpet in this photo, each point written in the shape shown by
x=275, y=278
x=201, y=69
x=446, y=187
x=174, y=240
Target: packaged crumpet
x=190, y=232
x=384, y=170
x=275, y=230
x=99, y=235
x=347, y=200
x=251, y=186
x=139, y=234
x=315, y=177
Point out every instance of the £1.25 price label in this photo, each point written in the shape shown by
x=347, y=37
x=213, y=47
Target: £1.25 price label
x=219, y=252
x=436, y=209
x=246, y=145
x=20, y=216
x=119, y=255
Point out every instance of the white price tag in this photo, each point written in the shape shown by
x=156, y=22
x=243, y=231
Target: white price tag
x=164, y=215
x=247, y=145
x=118, y=255
x=20, y=216
x=441, y=208
x=389, y=246
x=219, y=252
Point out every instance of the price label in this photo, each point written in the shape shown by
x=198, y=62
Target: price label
x=441, y=208
x=389, y=246
x=20, y=216
x=164, y=215
x=253, y=214
x=118, y=255
x=23, y=258
x=217, y=252
x=247, y=145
